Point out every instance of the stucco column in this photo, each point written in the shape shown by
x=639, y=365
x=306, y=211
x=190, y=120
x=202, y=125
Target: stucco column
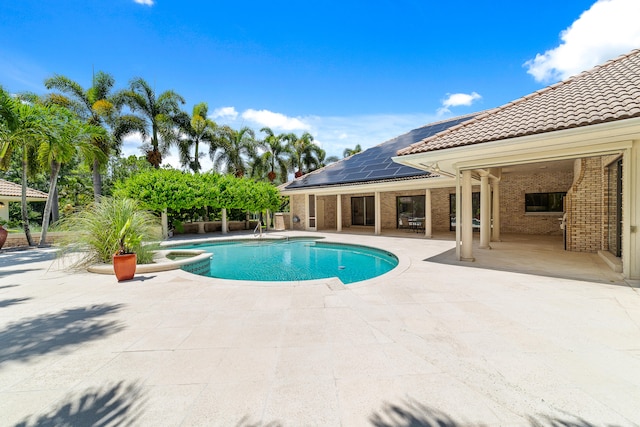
x=378, y=217
x=224, y=220
x=268, y=220
x=495, y=231
x=427, y=213
x=165, y=223
x=467, y=218
x=338, y=212
x=485, y=212
x=458, y=215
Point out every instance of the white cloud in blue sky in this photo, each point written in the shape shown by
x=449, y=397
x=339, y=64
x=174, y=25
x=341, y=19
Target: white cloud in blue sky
x=145, y=2
x=457, y=100
x=225, y=113
x=608, y=29
x=276, y=121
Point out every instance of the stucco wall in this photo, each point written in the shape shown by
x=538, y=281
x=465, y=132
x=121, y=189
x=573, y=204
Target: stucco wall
x=297, y=210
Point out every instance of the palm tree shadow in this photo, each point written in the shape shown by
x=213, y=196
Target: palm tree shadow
x=411, y=413
x=12, y=301
x=31, y=337
x=120, y=405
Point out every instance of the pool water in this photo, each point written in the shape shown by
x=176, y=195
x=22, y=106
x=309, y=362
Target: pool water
x=293, y=260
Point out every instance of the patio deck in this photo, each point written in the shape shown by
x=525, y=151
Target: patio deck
x=553, y=339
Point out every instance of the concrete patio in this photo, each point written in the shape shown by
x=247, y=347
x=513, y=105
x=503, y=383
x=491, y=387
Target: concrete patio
x=526, y=336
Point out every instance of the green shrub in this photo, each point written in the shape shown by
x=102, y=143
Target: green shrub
x=97, y=231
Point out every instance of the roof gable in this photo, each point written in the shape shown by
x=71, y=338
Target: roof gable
x=374, y=164
x=10, y=189
x=606, y=93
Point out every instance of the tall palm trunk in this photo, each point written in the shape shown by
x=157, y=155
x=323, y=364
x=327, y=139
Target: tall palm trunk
x=25, y=215
x=97, y=181
x=53, y=181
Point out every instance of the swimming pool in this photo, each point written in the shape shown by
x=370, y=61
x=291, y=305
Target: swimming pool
x=293, y=260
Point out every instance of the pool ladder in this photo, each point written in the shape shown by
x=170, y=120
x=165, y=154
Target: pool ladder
x=257, y=232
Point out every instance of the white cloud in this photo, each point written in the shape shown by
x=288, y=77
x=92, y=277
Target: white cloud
x=333, y=133
x=608, y=29
x=145, y=2
x=224, y=113
x=274, y=120
x=456, y=100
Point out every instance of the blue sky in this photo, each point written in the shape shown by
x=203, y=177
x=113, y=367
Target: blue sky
x=349, y=72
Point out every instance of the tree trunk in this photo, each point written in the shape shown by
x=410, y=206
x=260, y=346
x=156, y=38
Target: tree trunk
x=55, y=209
x=97, y=181
x=25, y=215
x=55, y=169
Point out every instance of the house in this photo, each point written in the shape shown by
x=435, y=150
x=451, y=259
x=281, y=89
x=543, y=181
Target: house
x=10, y=192
x=561, y=161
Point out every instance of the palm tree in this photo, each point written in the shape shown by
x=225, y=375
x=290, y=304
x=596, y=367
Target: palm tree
x=66, y=135
x=351, y=151
x=96, y=106
x=159, y=113
x=194, y=130
x=22, y=126
x=232, y=148
x=274, y=157
x=305, y=153
x=323, y=160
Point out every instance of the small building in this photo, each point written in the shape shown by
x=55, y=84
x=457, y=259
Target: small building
x=561, y=161
x=11, y=192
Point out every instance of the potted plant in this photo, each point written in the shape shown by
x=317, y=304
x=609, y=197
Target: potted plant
x=124, y=260
x=113, y=226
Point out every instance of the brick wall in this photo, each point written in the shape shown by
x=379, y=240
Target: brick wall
x=513, y=188
x=584, y=207
x=297, y=209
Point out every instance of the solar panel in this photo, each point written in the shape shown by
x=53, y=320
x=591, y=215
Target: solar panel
x=374, y=163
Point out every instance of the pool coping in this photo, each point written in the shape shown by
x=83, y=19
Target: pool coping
x=161, y=261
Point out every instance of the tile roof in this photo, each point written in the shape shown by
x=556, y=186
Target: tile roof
x=374, y=164
x=606, y=93
x=15, y=190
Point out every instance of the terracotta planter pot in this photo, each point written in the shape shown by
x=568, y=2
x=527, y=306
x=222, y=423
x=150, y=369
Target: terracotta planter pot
x=124, y=266
x=3, y=236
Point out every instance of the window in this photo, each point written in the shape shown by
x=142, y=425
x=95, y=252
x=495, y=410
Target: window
x=362, y=210
x=544, y=202
x=410, y=211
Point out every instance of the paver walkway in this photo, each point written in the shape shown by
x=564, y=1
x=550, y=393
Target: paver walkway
x=429, y=344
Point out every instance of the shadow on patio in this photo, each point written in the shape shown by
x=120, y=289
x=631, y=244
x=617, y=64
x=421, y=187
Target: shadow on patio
x=121, y=404
x=31, y=337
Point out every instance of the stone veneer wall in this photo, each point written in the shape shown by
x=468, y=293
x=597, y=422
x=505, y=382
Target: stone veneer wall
x=584, y=207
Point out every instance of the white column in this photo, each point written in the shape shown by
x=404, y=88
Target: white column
x=224, y=220
x=458, y=215
x=427, y=213
x=338, y=212
x=485, y=212
x=378, y=216
x=467, y=218
x=495, y=231
x=165, y=223
x=268, y=217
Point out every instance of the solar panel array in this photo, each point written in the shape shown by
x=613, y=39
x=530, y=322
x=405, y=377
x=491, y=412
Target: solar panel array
x=375, y=163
